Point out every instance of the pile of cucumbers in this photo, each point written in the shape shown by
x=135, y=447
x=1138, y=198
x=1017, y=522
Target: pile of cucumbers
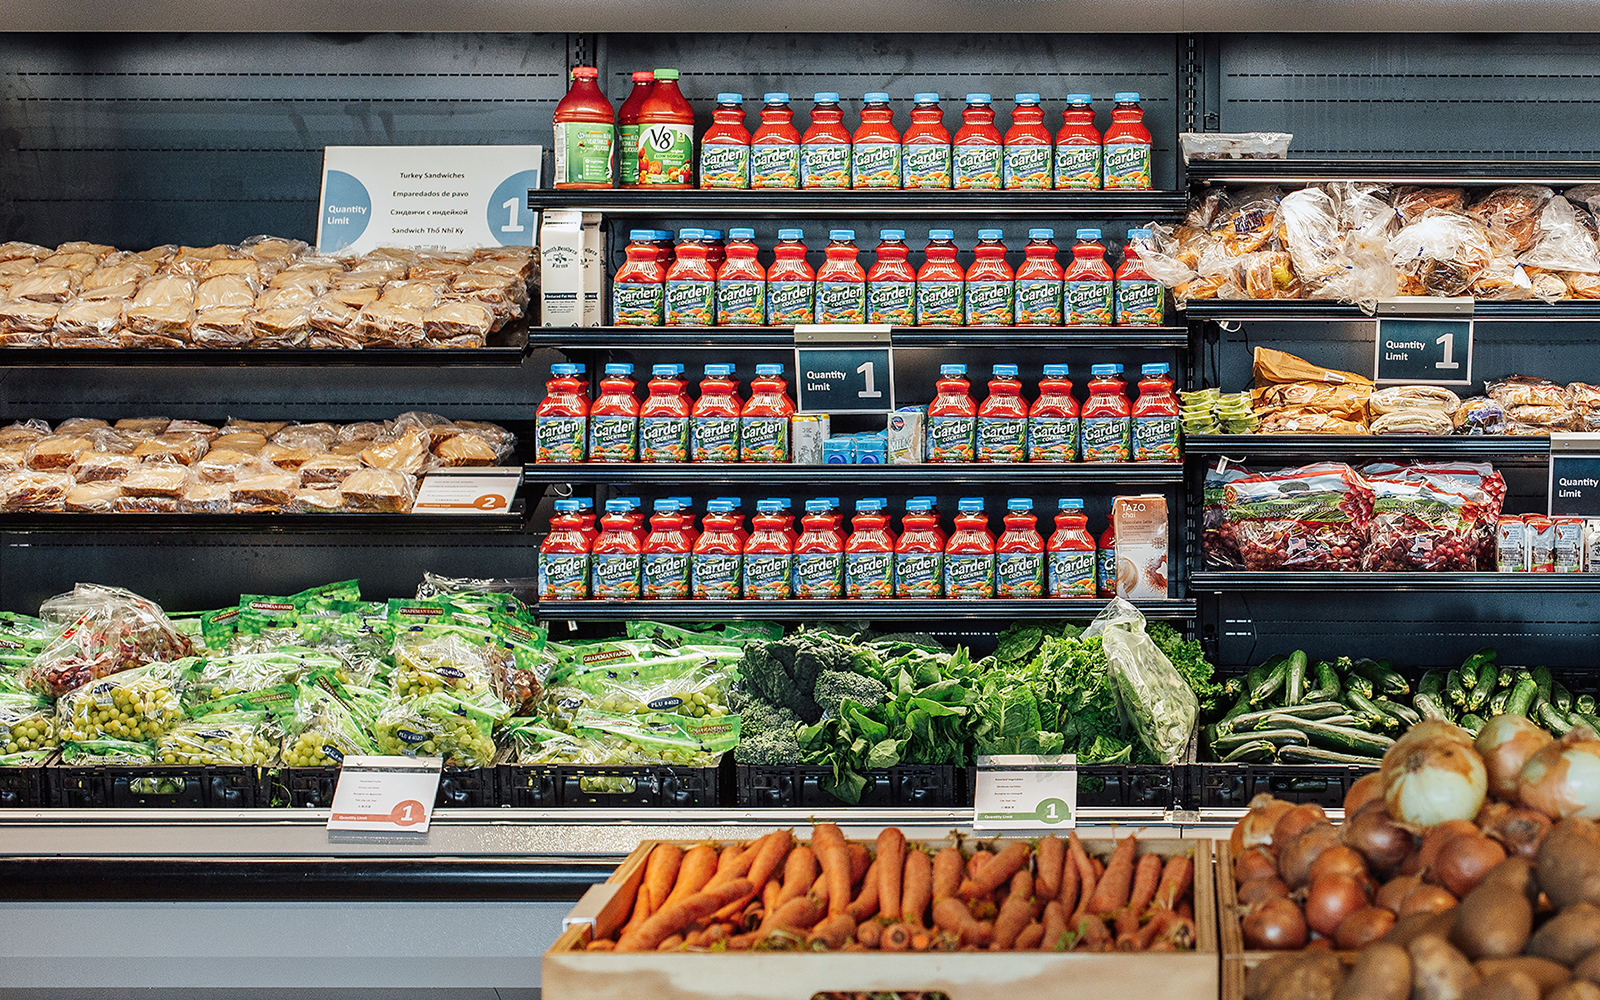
x=1479, y=690
x=1345, y=712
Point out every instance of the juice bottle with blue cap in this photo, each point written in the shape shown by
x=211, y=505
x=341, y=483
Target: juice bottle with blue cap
x=1053, y=419
x=841, y=281
x=561, y=420
x=969, y=554
x=584, y=506
x=1003, y=419
x=691, y=282
x=1089, y=282
x=825, y=146
x=741, y=283
x=664, y=417
x=819, y=554
x=1155, y=416
x=869, y=552
x=1107, y=417
x=791, y=283
x=1141, y=299
x=786, y=512
x=1028, y=153
x=614, y=417
x=1127, y=147
x=892, y=282
x=564, y=556
x=718, y=557
x=615, y=558
x=686, y=511
x=639, y=290
x=725, y=148
x=714, y=419
x=1078, y=146
x=941, y=283
x=716, y=253
x=628, y=128
x=919, y=551
x=1039, y=282
x=764, y=423
x=978, y=147
x=1071, y=552
x=952, y=417
x=768, y=555
x=1019, y=554
x=666, y=135
x=1105, y=561
x=925, y=148
x=991, y=284
x=875, y=146
x=775, y=147
x=664, y=566
x=635, y=509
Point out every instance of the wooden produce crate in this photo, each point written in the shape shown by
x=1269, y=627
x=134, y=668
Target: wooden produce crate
x=1236, y=961
x=572, y=973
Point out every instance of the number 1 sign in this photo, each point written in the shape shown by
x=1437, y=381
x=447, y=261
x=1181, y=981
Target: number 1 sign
x=843, y=369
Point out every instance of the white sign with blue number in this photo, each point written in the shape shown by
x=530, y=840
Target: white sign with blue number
x=427, y=196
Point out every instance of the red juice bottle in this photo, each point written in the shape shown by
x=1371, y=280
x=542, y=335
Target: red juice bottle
x=665, y=554
x=585, y=132
x=892, y=282
x=941, y=283
x=665, y=250
x=585, y=509
x=741, y=283
x=564, y=556
x=639, y=291
x=1089, y=282
x=1105, y=562
x=978, y=147
x=791, y=283
x=952, y=417
x=875, y=146
x=1155, y=416
x=1028, y=153
x=1127, y=147
x=775, y=147
x=1071, y=552
x=969, y=554
x=1078, y=147
x=869, y=552
x=716, y=253
x=718, y=557
x=768, y=555
x=825, y=146
x=1039, y=282
x=1107, y=417
x=686, y=511
x=841, y=281
x=1053, y=419
x=819, y=554
x=615, y=558
x=614, y=417
x=925, y=148
x=991, y=284
x=786, y=505
x=636, y=524
x=764, y=423
x=714, y=418
x=666, y=135
x=561, y=420
x=1003, y=419
x=664, y=417
x=691, y=282
x=1019, y=554
x=1141, y=299
x=628, y=127
x=725, y=148
x=919, y=552
x=733, y=504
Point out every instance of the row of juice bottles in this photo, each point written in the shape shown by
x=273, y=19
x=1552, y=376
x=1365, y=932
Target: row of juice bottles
x=622, y=559
x=654, y=134
x=703, y=281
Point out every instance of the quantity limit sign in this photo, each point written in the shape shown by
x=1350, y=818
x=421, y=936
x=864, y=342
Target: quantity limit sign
x=843, y=368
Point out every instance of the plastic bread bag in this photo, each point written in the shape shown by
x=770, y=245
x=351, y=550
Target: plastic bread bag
x=389, y=324
x=1551, y=418
x=459, y=729
x=47, y=284
x=1268, y=274
x=1561, y=241
x=1311, y=518
x=1413, y=397
x=138, y=704
x=1528, y=390
x=1547, y=285
x=163, y=307
x=378, y=491
x=1440, y=254
x=1251, y=224
x=223, y=328
x=226, y=291
x=23, y=432
x=102, y=631
x=1316, y=243
x=27, y=729
x=1503, y=280
x=1411, y=203
x=33, y=492
x=1154, y=700
x=323, y=733
x=1478, y=416
x=1431, y=422
x=404, y=448
x=90, y=320
x=1511, y=215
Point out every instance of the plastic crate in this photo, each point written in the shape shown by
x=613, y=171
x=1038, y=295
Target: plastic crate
x=312, y=787
x=655, y=786
x=208, y=786
x=1112, y=786
x=1232, y=786
x=800, y=785
x=22, y=787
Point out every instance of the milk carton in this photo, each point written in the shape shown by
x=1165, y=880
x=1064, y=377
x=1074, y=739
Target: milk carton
x=561, y=288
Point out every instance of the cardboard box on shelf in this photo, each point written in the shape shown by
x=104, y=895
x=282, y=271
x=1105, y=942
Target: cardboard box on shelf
x=1142, y=551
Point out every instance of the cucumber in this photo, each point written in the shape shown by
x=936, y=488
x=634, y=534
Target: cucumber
x=1344, y=739
x=1344, y=720
x=1497, y=701
x=1561, y=697
x=1257, y=752
x=1269, y=688
x=1317, y=755
x=1252, y=720
x=1455, y=689
x=1431, y=706
x=1355, y=682
x=1521, y=699
x=1327, y=683
x=1294, y=682
x=1432, y=683
x=1239, y=707
x=1552, y=719
x=1471, y=723
x=1232, y=686
x=1369, y=712
x=1259, y=673
x=1581, y=718
x=1507, y=677
x=1277, y=737
x=1479, y=696
x=1541, y=677
x=1404, y=714
x=1585, y=703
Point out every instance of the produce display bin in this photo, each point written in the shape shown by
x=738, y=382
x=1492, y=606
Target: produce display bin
x=1232, y=786
x=312, y=787
x=549, y=786
x=174, y=786
x=800, y=785
x=1236, y=961
x=22, y=787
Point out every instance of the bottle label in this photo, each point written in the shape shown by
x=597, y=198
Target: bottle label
x=563, y=576
x=666, y=154
x=717, y=576
x=1028, y=168
x=613, y=438
x=1127, y=166
x=560, y=439
x=691, y=303
x=741, y=302
x=989, y=303
x=715, y=439
x=628, y=160
x=775, y=166
x=919, y=574
x=819, y=576
x=764, y=439
x=892, y=302
x=841, y=302
x=1072, y=573
x=1107, y=439
x=616, y=576
x=1077, y=167
x=825, y=165
x=664, y=439
x=789, y=302
x=925, y=166
x=724, y=166
x=638, y=304
x=583, y=152
x=766, y=575
x=977, y=167
x=666, y=576
x=941, y=303
x=869, y=574
x=875, y=165
x=1140, y=303
x=1052, y=439
x=1039, y=302
x=1019, y=575
x=969, y=575
x=1002, y=439
x=1088, y=303
x=1155, y=439
x=1105, y=567
x=952, y=439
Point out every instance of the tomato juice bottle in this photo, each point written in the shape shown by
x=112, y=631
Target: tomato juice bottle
x=775, y=147
x=686, y=511
x=969, y=554
x=791, y=283
x=1039, y=282
x=585, y=516
x=991, y=284
x=714, y=418
x=718, y=561
x=1053, y=419
x=585, y=133
x=666, y=135
x=925, y=148
x=561, y=420
x=1078, y=146
x=764, y=424
x=1029, y=159
x=614, y=417
x=875, y=146
x=841, y=282
x=825, y=146
x=639, y=290
x=869, y=552
x=919, y=551
x=978, y=147
x=716, y=253
x=1105, y=562
x=1141, y=299
x=664, y=566
x=1089, y=282
x=819, y=554
x=741, y=283
x=952, y=417
x=787, y=507
x=892, y=282
x=1127, y=147
x=725, y=148
x=615, y=557
x=1003, y=419
x=768, y=555
x=564, y=556
x=628, y=128
x=1155, y=416
x=664, y=416
x=1071, y=552
x=941, y=283
x=1107, y=417
x=1019, y=554
x=691, y=282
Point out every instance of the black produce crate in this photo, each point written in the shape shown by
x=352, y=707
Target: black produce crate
x=1114, y=786
x=800, y=785
x=1232, y=786
x=172, y=786
x=312, y=787
x=649, y=786
x=22, y=787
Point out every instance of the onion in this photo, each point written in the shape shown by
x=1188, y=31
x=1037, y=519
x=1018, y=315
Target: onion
x=1254, y=829
x=1465, y=860
x=1426, y=898
x=1429, y=781
x=1332, y=898
x=1563, y=779
x=1375, y=836
x=1520, y=831
x=1506, y=742
x=1393, y=891
x=1258, y=889
x=1433, y=842
x=1430, y=728
x=1365, y=789
x=1294, y=822
x=1275, y=925
x=1339, y=860
x=1296, y=857
x=1253, y=863
x=1363, y=927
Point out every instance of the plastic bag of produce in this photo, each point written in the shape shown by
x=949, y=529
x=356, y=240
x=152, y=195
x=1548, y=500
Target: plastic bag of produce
x=1478, y=482
x=1418, y=526
x=358, y=633
x=1218, y=547
x=27, y=729
x=533, y=741
x=1251, y=225
x=669, y=738
x=440, y=724
x=1311, y=518
x=468, y=654
x=248, y=738
x=103, y=630
x=732, y=633
x=525, y=589
x=322, y=733
x=22, y=639
x=1154, y=700
x=222, y=677
x=90, y=753
x=139, y=704
x=694, y=682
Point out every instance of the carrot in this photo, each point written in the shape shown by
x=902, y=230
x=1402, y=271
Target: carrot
x=769, y=895
x=1176, y=881
x=763, y=856
x=796, y=915
x=670, y=920
x=1180, y=934
x=953, y=916
x=921, y=940
x=891, y=869
x=727, y=860
x=1093, y=935
x=1086, y=876
x=868, y=900
x=743, y=942
x=1030, y=937
x=1055, y=926
x=947, y=869
x=660, y=871
x=1164, y=925
x=601, y=946
x=1048, y=858
x=997, y=872
x=895, y=937
x=1015, y=913
x=1111, y=892
x=717, y=932
x=1126, y=921
x=979, y=858
x=917, y=887
x=1145, y=877
x=834, y=856
x=833, y=932
x=1068, y=896
x=868, y=934
x=1185, y=908
x=699, y=864
x=672, y=943
x=1022, y=884
x=860, y=861
x=799, y=874
x=752, y=916
x=1099, y=868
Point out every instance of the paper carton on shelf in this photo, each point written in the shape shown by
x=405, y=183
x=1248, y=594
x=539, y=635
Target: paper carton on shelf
x=561, y=268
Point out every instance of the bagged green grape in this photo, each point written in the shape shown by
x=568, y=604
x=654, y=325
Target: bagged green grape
x=357, y=632
x=218, y=628
x=101, y=631
x=88, y=753
x=668, y=738
x=322, y=734
x=139, y=704
x=22, y=639
x=27, y=729
x=219, y=677
x=441, y=725
x=692, y=683
x=734, y=633
x=248, y=738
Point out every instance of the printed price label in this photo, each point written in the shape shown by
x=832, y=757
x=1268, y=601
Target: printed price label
x=1025, y=792
x=1423, y=351
x=485, y=490
x=843, y=368
x=385, y=793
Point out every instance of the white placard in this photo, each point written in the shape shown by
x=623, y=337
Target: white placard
x=427, y=196
x=484, y=490
x=385, y=794
x=1026, y=792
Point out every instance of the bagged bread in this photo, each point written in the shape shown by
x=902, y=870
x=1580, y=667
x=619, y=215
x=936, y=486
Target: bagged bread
x=34, y=491
x=228, y=291
x=248, y=442
x=163, y=308
x=1527, y=390
x=1301, y=421
x=92, y=498
x=181, y=448
x=224, y=465
x=146, y=505
x=275, y=489
x=1435, y=422
x=1413, y=397
x=99, y=466
x=328, y=470
x=464, y=450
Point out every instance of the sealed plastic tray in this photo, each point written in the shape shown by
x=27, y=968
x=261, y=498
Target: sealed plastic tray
x=209, y=786
x=908, y=785
x=551, y=786
x=1235, y=145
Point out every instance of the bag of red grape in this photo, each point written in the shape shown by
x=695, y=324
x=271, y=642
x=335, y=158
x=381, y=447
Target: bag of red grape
x=1308, y=519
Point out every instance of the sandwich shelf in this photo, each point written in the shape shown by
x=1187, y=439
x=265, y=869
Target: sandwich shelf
x=1307, y=447
x=1557, y=173
x=505, y=349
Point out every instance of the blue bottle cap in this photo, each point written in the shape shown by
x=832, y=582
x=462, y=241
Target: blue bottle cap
x=734, y=503
x=618, y=506
x=1105, y=369
x=1158, y=368
x=838, y=235
x=876, y=97
x=825, y=97
x=941, y=234
x=662, y=234
x=791, y=234
x=925, y=98
x=579, y=367
x=1004, y=371
x=641, y=235
x=956, y=369
x=719, y=371
x=666, y=505
x=1088, y=234
x=719, y=507
x=891, y=234
x=772, y=369
x=691, y=234
x=979, y=99
x=567, y=506
x=1128, y=97
x=1027, y=98
x=768, y=507
x=784, y=503
x=1079, y=99
x=684, y=503
x=584, y=503
x=817, y=506
x=970, y=504
x=566, y=369
x=1139, y=234
x=919, y=505
x=619, y=368
x=730, y=98
x=832, y=502
x=666, y=371
x=776, y=97
x=1069, y=503
x=633, y=503
x=871, y=504
x=1019, y=503
x=1041, y=234
x=931, y=500
x=991, y=234
x=711, y=234
x=741, y=234
x=1055, y=371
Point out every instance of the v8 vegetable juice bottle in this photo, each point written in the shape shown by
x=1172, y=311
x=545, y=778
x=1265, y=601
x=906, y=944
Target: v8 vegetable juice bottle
x=741, y=283
x=1078, y=146
x=1088, y=282
x=925, y=148
x=666, y=554
x=614, y=418
x=775, y=147
x=825, y=146
x=1155, y=417
x=666, y=135
x=1028, y=159
x=585, y=128
x=561, y=420
x=664, y=417
x=564, y=556
x=691, y=282
x=725, y=149
x=969, y=554
x=991, y=284
x=714, y=419
x=1071, y=552
x=628, y=128
x=875, y=146
x=1127, y=146
x=919, y=552
x=941, y=283
x=1141, y=299
x=1019, y=554
x=791, y=283
x=768, y=555
x=764, y=425
x=869, y=552
x=952, y=417
x=892, y=282
x=718, y=562
x=615, y=558
x=1105, y=562
x=1039, y=282
x=1107, y=417
x=1053, y=419
x=841, y=282
x=639, y=291
x=1003, y=419
x=819, y=555
x=978, y=145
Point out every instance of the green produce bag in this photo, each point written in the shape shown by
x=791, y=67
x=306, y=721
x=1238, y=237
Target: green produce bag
x=441, y=725
x=1152, y=697
x=27, y=729
x=668, y=738
x=218, y=677
x=733, y=633
x=323, y=732
x=692, y=683
x=90, y=753
x=240, y=738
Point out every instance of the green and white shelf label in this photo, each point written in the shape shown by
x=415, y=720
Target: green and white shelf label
x=1026, y=792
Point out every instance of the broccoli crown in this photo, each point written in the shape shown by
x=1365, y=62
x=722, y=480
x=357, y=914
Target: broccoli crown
x=835, y=686
x=757, y=717
x=773, y=747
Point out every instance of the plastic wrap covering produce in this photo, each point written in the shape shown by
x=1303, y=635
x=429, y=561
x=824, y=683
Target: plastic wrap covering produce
x=27, y=729
x=138, y=704
x=1154, y=699
x=322, y=733
x=441, y=724
x=103, y=630
x=88, y=753
x=1311, y=518
x=252, y=681
x=248, y=738
x=638, y=676
x=1481, y=492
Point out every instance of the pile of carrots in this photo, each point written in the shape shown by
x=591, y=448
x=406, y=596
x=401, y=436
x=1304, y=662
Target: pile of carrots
x=835, y=895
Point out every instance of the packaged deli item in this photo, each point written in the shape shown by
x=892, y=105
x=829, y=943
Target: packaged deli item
x=99, y=466
x=1413, y=397
x=1511, y=548
x=1524, y=390
x=328, y=470
x=201, y=497
x=34, y=491
x=1541, y=543
x=382, y=491
x=1434, y=422
x=1479, y=415
x=156, y=479
x=58, y=451
x=93, y=497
